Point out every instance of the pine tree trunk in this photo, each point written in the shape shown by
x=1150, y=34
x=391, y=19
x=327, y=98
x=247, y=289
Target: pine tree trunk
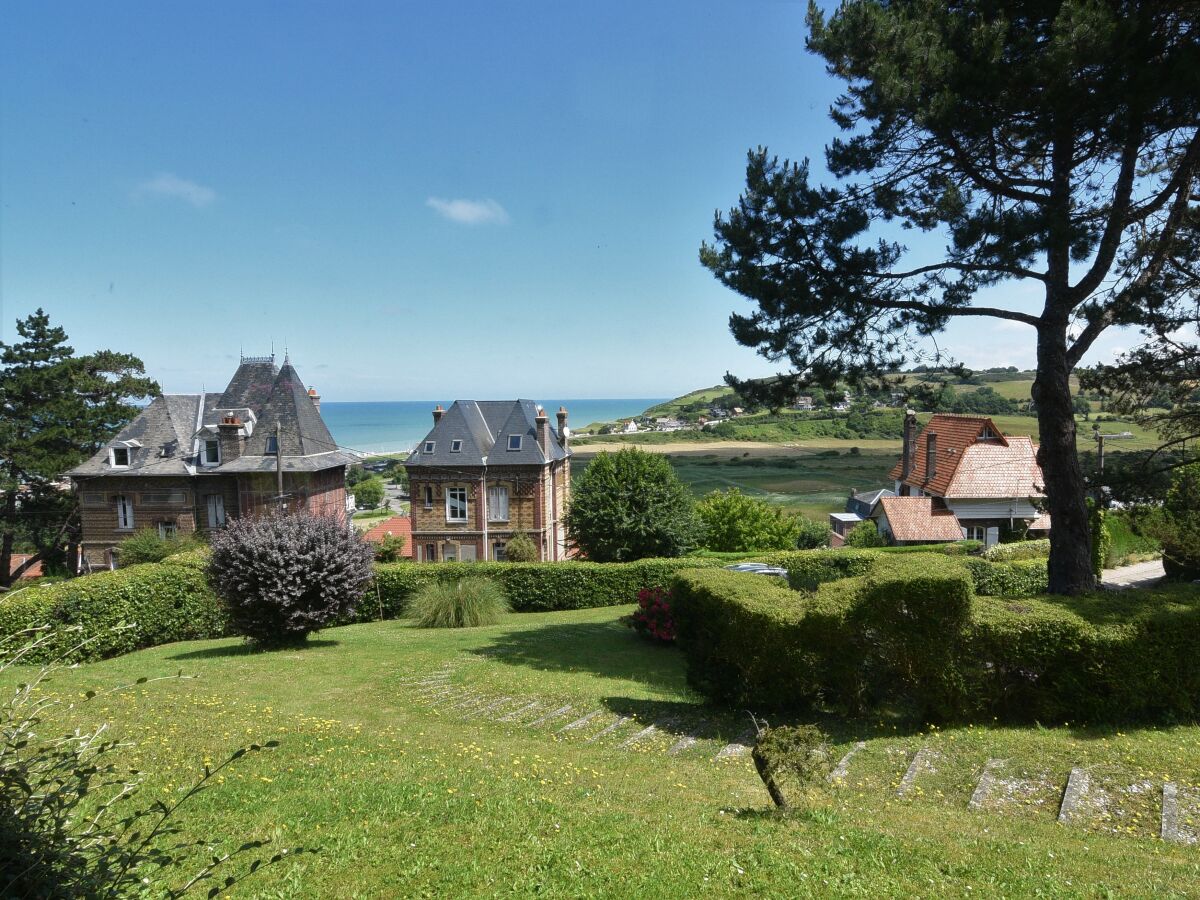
x=1070, y=536
x=6, y=546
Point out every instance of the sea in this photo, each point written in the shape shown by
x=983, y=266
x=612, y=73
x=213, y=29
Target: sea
x=396, y=426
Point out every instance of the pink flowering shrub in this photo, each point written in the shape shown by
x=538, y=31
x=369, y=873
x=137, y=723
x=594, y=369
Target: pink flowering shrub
x=653, y=616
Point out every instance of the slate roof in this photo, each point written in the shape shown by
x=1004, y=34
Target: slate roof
x=863, y=503
x=483, y=427
x=916, y=519
x=1010, y=458
x=163, y=438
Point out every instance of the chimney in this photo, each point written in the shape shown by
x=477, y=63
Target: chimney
x=910, y=439
x=438, y=412
x=314, y=397
x=564, y=433
x=930, y=456
x=232, y=440
x=543, y=431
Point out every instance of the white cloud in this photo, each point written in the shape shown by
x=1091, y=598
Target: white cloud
x=469, y=212
x=166, y=186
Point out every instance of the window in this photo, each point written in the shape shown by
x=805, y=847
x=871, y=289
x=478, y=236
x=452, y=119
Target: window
x=498, y=553
x=124, y=512
x=431, y=553
x=272, y=445
x=216, y=510
x=429, y=445
x=975, y=533
x=456, y=504
x=456, y=446
x=212, y=452
x=449, y=553
x=497, y=498
x=514, y=442
x=166, y=530
x=429, y=497
x=119, y=457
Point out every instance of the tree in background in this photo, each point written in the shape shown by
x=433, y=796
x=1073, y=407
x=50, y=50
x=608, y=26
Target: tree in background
x=1177, y=524
x=1082, y=407
x=735, y=523
x=56, y=409
x=368, y=493
x=631, y=505
x=390, y=549
x=865, y=535
x=1056, y=145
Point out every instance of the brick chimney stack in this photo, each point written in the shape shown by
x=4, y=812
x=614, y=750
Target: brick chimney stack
x=564, y=433
x=314, y=397
x=910, y=439
x=543, y=431
x=231, y=438
x=930, y=456
x=438, y=412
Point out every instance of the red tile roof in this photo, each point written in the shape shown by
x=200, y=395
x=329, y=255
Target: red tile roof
x=1041, y=523
x=401, y=526
x=968, y=467
x=916, y=519
x=18, y=559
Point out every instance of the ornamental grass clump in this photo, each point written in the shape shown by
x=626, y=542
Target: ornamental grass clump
x=283, y=577
x=462, y=603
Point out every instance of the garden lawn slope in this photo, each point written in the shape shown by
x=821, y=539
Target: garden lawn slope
x=406, y=795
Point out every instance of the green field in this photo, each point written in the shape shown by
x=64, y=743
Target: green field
x=410, y=789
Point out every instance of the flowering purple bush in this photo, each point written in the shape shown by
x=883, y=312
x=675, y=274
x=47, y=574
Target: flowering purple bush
x=282, y=577
x=653, y=616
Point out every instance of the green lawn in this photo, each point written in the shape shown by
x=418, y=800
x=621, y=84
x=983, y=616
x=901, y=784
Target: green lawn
x=404, y=798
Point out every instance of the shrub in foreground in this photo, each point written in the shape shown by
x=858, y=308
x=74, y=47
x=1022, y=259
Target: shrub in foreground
x=865, y=535
x=653, y=616
x=146, y=545
x=465, y=603
x=521, y=549
x=282, y=577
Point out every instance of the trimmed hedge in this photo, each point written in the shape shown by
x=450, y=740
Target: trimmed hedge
x=165, y=601
x=1039, y=549
x=1025, y=578
x=809, y=568
x=911, y=632
x=531, y=587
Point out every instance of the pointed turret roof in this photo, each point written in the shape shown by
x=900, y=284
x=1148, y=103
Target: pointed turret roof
x=302, y=432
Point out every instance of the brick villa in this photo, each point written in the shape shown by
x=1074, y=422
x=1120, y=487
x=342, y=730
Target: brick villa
x=487, y=470
x=189, y=461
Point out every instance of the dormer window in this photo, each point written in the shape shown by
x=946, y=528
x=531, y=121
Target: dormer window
x=429, y=446
x=514, y=442
x=456, y=446
x=118, y=457
x=272, y=445
x=987, y=434
x=211, y=455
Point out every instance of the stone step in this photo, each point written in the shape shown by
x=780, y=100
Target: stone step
x=452, y=697
x=1080, y=801
x=842, y=769
x=739, y=747
x=609, y=729
x=515, y=715
x=987, y=782
x=1174, y=826
x=922, y=763
x=684, y=743
x=467, y=702
x=484, y=710
x=579, y=723
x=550, y=716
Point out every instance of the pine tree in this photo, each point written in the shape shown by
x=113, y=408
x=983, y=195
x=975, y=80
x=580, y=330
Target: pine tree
x=56, y=409
x=1053, y=144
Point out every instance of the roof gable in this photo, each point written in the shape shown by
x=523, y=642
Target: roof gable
x=917, y=519
x=955, y=434
x=484, y=428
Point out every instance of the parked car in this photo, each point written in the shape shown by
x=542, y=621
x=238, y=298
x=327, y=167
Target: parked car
x=755, y=568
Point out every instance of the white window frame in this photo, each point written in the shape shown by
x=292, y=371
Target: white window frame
x=970, y=530
x=457, y=492
x=429, y=447
x=456, y=446
x=518, y=439
x=215, y=507
x=499, y=552
x=125, y=518
x=112, y=457
x=431, y=557
x=496, y=506
x=428, y=496
x=167, y=530
x=204, y=445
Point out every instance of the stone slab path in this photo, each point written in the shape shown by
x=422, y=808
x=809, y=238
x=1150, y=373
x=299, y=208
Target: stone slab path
x=1143, y=574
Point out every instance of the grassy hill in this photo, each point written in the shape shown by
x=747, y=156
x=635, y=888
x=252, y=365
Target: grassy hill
x=421, y=763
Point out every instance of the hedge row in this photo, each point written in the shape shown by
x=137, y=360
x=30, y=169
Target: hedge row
x=1039, y=549
x=912, y=631
x=171, y=601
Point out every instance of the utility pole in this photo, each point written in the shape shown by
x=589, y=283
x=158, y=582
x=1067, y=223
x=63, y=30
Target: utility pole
x=280, y=496
x=1100, y=439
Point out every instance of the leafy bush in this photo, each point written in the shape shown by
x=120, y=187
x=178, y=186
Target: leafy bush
x=390, y=549
x=1101, y=538
x=809, y=568
x=1130, y=542
x=631, y=505
x=865, y=535
x=734, y=522
x=1177, y=525
x=790, y=753
x=1039, y=549
x=909, y=632
x=1023, y=578
x=465, y=603
x=521, y=548
x=282, y=577
x=368, y=493
x=160, y=602
x=653, y=617
x=146, y=545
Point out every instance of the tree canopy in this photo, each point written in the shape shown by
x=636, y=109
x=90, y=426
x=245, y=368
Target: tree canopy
x=56, y=409
x=736, y=523
x=1052, y=144
x=631, y=505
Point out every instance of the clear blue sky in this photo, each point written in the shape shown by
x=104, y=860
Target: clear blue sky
x=469, y=199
